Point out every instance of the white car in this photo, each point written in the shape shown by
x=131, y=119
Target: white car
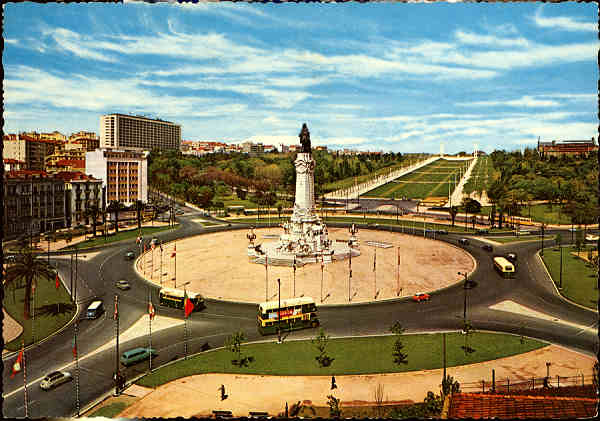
x=55, y=379
x=591, y=237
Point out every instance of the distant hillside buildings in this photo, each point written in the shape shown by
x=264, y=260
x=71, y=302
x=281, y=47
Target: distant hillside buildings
x=567, y=147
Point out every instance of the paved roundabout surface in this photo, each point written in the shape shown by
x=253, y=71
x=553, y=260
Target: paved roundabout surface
x=216, y=265
x=562, y=323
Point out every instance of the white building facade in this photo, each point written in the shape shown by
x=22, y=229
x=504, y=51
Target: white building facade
x=128, y=132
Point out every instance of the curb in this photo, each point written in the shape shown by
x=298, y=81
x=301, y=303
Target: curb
x=555, y=287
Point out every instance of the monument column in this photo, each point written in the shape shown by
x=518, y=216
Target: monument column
x=305, y=168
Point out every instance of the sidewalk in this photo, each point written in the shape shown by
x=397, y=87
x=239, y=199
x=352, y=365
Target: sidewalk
x=199, y=396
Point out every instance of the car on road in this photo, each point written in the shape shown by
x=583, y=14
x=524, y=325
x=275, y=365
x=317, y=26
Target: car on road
x=136, y=355
x=441, y=232
x=179, y=212
x=572, y=229
x=463, y=241
x=591, y=237
x=154, y=242
x=421, y=296
x=129, y=255
x=487, y=247
x=483, y=231
x=54, y=379
x=523, y=232
x=10, y=258
x=122, y=284
x=512, y=257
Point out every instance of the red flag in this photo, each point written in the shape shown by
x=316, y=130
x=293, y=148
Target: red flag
x=174, y=251
x=322, y=265
x=188, y=306
x=17, y=365
x=57, y=281
x=144, y=248
x=266, y=261
x=398, y=256
x=74, y=349
x=116, y=310
x=33, y=287
x=151, y=311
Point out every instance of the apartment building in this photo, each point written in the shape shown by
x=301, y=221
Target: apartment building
x=34, y=202
x=82, y=192
x=31, y=150
x=567, y=147
x=89, y=141
x=124, y=173
x=126, y=132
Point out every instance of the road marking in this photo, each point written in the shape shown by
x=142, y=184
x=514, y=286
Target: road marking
x=512, y=307
x=139, y=328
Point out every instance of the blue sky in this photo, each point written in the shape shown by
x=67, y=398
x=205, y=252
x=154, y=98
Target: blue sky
x=379, y=76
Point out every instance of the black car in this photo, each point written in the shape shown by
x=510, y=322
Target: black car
x=483, y=231
x=463, y=241
x=512, y=257
x=487, y=247
x=129, y=255
x=441, y=232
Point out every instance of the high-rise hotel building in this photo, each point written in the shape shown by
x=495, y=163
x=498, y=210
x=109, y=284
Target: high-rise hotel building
x=126, y=132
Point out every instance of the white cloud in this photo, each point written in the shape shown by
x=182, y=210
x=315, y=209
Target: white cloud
x=525, y=101
x=563, y=22
x=74, y=43
x=489, y=40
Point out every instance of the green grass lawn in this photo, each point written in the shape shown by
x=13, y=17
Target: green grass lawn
x=517, y=239
x=298, y=357
x=543, y=213
x=121, y=235
x=579, y=281
x=109, y=411
x=53, y=309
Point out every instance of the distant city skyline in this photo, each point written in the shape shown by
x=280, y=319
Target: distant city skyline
x=382, y=76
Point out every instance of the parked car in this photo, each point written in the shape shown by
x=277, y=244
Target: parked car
x=421, y=296
x=487, y=247
x=54, y=379
x=11, y=258
x=463, y=241
x=524, y=232
x=136, y=355
x=122, y=284
x=512, y=257
x=441, y=232
x=129, y=255
x=483, y=231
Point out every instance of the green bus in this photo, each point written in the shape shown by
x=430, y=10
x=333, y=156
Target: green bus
x=293, y=314
x=171, y=297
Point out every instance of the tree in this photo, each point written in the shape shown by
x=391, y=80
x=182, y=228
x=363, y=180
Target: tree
x=115, y=207
x=578, y=240
x=378, y=397
x=467, y=330
x=449, y=386
x=398, y=355
x=241, y=194
x=335, y=410
x=234, y=343
x=453, y=211
x=139, y=207
x=320, y=342
x=93, y=212
x=25, y=271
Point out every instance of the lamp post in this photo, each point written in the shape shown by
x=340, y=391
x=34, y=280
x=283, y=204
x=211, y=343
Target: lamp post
x=278, y=310
x=543, y=227
x=465, y=287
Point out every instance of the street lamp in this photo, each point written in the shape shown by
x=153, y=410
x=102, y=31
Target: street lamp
x=543, y=227
x=279, y=311
x=465, y=287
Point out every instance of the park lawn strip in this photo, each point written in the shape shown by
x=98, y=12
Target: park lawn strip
x=121, y=235
x=110, y=410
x=362, y=355
x=53, y=310
x=516, y=239
x=578, y=278
x=543, y=213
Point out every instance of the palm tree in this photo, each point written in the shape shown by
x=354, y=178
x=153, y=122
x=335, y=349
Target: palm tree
x=115, y=207
x=93, y=212
x=27, y=268
x=139, y=207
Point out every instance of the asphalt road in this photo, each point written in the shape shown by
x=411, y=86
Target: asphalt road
x=213, y=325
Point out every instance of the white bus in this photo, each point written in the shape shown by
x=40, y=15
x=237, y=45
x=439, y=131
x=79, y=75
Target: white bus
x=95, y=309
x=504, y=267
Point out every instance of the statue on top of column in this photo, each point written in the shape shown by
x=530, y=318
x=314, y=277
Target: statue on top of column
x=305, y=139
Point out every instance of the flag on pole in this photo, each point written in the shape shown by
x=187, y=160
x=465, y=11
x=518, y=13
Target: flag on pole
x=145, y=248
x=266, y=262
x=152, y=246
x=322, y=265
x=33, y=287
x=57, y=281
x=160, y=245
x=116, y=315
x=188, y=306
x=174, y=251
x=151, y=311
x=398, y=256
x=74, y=348
x=375, y=260
x=294, y=263
x=18, y=364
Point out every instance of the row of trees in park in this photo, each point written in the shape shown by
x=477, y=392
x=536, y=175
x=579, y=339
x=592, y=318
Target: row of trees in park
x=201, y=180
x=569, y=182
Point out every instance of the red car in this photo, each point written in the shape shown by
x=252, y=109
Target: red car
x=421, y=296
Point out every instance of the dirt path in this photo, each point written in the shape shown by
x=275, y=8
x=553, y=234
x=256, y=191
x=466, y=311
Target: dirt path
x=199, y=395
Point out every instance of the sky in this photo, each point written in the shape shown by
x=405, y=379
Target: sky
x=377, y=76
